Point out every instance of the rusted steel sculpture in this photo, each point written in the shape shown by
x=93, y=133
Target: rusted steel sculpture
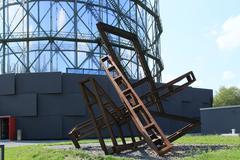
x=137, y=107
x=115, y=64
x=87, y=128
x=104, y=114
x=141, y=116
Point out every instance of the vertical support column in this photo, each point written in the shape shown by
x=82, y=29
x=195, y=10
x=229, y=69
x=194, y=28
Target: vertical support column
x=105, y=11
x=12, y=128
x=56, y=50
x=107, y=21
x=146, y=24
x=7, y=55
x=76, y=33
x=4, y=36
x=38, y=27
x=51, y=43
x=28, y=23
x=158, y=44
x=136, y=19
x=119, y=26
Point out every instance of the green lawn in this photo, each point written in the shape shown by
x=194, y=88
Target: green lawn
x=213, y=139
x=41, y=152
x=229, y=154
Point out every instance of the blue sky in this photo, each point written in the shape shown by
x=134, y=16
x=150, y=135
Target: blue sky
x=202, y=36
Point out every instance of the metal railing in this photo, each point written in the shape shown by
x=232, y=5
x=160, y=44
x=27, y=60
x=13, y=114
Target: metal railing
x=85, y=71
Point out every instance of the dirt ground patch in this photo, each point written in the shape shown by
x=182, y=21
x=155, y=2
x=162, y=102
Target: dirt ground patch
x=144, y=152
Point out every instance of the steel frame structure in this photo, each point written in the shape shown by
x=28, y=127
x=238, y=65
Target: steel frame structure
x=52, y=35
x=138, y=112
x=104, y=115
x=94, y=95
x=136, y=107
x=87, y=128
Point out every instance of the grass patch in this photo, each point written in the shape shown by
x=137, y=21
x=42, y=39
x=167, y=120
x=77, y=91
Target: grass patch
x=228, y=154
x=212, y=139
x=40, y=152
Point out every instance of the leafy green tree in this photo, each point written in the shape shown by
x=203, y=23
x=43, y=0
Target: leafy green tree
x=227, y=96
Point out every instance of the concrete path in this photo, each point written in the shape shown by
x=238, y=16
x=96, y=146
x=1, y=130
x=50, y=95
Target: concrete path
x=8, y=143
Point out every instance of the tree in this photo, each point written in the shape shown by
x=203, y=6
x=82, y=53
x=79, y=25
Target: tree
x=227, y=96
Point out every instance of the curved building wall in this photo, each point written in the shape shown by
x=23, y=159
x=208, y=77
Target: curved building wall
x=48, y=105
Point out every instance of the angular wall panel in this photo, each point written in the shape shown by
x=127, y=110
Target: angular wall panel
x=61, y=104
x=19, y=105
x=40, y=128
x=39, y=83
x=70, y=82
x=202, y=95
x=7, y=84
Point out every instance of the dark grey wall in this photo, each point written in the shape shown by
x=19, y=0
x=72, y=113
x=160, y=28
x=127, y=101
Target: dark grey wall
x=220, y=120
x=48, y=105
x=186, y=103
x=7, y=84
x=39, y=83
x=19, y=104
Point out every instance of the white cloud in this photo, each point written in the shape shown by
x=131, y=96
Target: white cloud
x=213, y=32
x=228, y=75
x=229, y=37
x=61, y=19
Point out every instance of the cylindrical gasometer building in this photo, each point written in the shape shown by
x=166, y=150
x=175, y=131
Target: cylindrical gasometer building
x=61, y=35
x=48, y=46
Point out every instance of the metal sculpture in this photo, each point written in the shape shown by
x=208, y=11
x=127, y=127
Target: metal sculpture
x=105, y=29
x=141, y=108
x=104, y=114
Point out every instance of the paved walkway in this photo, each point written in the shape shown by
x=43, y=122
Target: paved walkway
x=8, y=143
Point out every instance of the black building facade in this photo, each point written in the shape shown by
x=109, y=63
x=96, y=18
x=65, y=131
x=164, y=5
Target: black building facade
x=220, y=120
x=48, y=105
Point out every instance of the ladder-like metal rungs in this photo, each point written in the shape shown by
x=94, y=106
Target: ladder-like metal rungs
x=138, y=111
x=111, y=116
